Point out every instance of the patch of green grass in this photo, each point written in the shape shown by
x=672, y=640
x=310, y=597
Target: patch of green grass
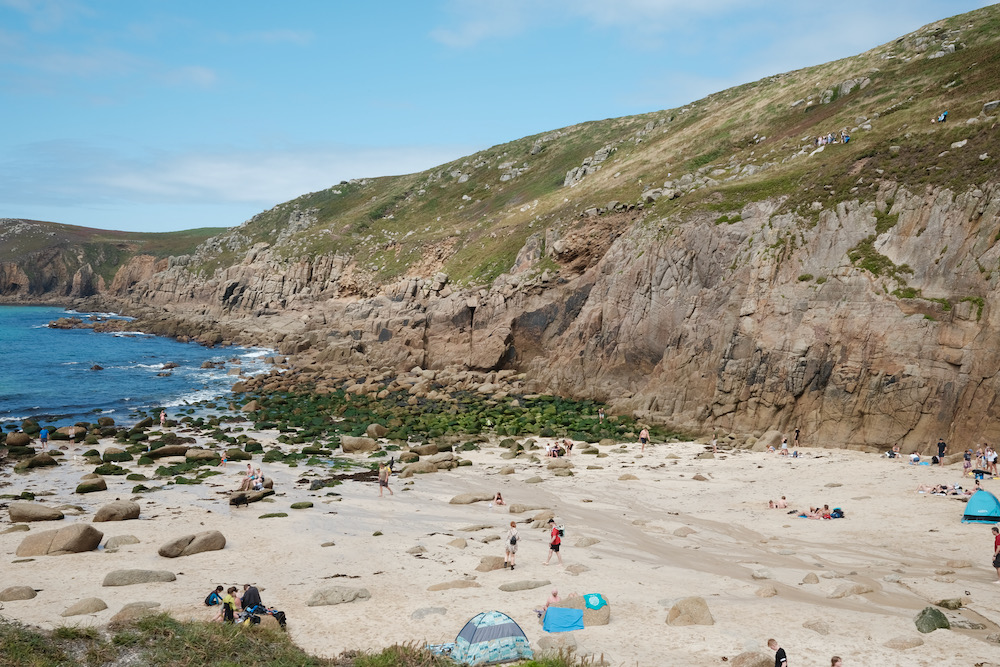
x=865, y=256
x=805, y=277
x=978, y=300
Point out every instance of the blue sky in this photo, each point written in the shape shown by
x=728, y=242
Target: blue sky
x=159, y=115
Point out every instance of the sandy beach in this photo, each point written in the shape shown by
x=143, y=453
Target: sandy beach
x=658, y=538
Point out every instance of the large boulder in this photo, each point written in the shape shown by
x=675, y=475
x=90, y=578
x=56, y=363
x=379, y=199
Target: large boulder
x=490, y=563
x=69, y=540
x=13, y=593
x=931, y=619
x=41, y=461
x=130, y=577
x=134, y=610
x=18, y=440
x=376, y=431
x=118, y=541
x=752, y=659
x=167, y=450
x=690, y=611
x=211, y=540
x=23, y=512
x=351, y=444
x=119, y=510
x=337, y=595
x=85, y=606
x=246, y=497
x=92, y=485
x=418, y=467
x=193, y=454
x=591, y=617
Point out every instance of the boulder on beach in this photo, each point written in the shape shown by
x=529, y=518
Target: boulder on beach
x=41, y=461
x=469, y=498
x=210, y=540
x=12, y=593
x=134, y=610
x=337, y=595
x=167, y=450
x=69, y=540
x=131, y=577
x=376, y=431
x=690, y=611
x=421, y=467
x=490, y=563
x=351, y=444
x=195, y=454
x=931, y=619
x=458, y=583
x=752, y=659
x=85, y=606
x=92, y=485
x=591, y=617
x=18, y=440
x=119, y=510
x=246, y=497
x=24, y=512
x=524, y=585
x=118, y=541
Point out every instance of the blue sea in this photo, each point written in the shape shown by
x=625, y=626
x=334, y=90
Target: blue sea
x=45, y=373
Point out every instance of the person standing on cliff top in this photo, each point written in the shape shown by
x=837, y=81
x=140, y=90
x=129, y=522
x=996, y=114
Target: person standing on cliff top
x=942, y=448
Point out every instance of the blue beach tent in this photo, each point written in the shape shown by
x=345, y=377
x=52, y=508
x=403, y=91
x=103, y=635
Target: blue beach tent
x=488, y=638
x=983, y=507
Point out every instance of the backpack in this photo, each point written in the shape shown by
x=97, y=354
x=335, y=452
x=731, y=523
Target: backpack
x=212, y=599
x=562, y=533
x=513, y=539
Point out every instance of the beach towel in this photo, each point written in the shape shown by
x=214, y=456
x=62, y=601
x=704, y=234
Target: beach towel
x=594, y=600
x=559, y=619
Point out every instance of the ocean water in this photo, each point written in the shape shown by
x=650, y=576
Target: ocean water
x=45, y=373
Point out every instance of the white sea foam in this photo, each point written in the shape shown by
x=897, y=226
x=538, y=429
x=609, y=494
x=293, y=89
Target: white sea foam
x=129, y=334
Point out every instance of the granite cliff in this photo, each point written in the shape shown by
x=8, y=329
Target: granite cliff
x=715, y=267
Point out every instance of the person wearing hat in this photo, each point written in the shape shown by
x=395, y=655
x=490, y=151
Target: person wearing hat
x=554, y=541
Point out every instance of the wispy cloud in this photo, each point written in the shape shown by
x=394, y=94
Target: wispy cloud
x=66, y=173
x=192, y=76
x=276, y=36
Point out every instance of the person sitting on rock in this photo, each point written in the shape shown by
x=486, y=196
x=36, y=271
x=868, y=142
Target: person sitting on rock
x=258, y=480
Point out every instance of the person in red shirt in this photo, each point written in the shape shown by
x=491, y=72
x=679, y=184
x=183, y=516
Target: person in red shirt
x=554, y=541
x=996, y=552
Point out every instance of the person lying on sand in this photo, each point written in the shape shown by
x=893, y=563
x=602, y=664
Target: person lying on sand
x=943, y=490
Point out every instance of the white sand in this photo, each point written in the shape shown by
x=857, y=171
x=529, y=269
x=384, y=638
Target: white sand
x=639, y=565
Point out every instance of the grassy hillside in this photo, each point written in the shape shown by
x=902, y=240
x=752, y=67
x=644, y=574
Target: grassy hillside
x=469, y=217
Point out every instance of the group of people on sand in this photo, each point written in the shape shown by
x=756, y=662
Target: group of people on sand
x=945, y=489
x=253, y=480
x=555, y=449
x=981, y=462
x=249, y=603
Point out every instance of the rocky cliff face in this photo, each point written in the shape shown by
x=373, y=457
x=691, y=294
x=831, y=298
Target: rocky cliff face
x=861, y=323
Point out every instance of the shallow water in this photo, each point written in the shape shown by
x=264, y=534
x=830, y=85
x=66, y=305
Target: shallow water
x=46, y=373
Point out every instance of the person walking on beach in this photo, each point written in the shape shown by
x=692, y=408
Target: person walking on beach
x=996, y=552
x=600, y=415
x=163, y=418
x=510, y=549
x=383, y=480
x=643, y=438
x=555, y=539
x=44, y=435
x=942, y=448
x=780, y=659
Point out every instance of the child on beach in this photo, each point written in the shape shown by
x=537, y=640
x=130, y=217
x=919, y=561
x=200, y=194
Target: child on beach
x=383, y=480
x=510, y=548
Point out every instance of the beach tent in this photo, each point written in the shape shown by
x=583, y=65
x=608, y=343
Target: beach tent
x=983, y=507
x=488, y=638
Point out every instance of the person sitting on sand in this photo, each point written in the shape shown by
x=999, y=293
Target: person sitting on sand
x=554, y=599
x=228, y=611
x=781, y=504
x=498, y=499
x=894, y=454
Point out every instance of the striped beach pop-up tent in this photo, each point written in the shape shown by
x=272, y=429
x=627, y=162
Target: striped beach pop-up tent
x=489, y=638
